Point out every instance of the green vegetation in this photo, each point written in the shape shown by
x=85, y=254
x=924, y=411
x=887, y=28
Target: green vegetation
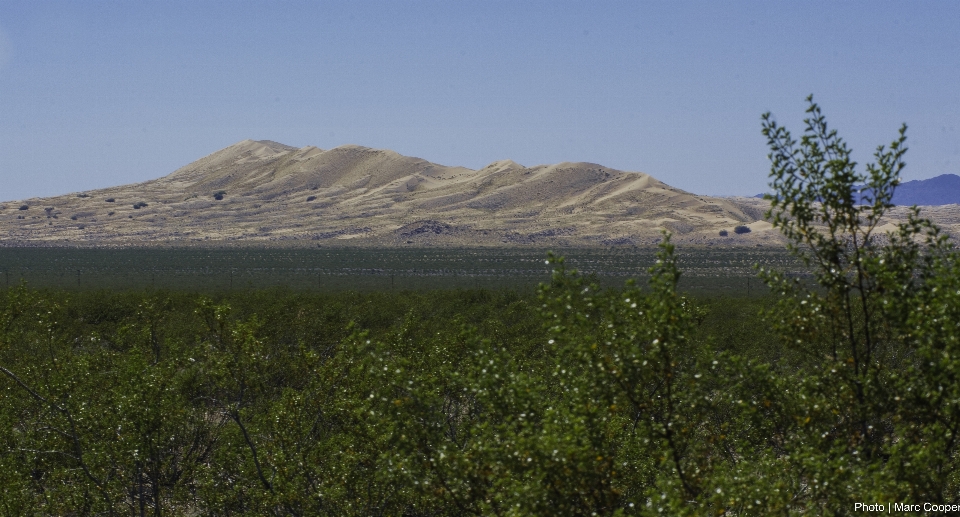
x=578, y=401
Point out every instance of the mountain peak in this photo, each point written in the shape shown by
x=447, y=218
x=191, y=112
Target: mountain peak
x=256, y=145
x=503, y=165
x=939, y=190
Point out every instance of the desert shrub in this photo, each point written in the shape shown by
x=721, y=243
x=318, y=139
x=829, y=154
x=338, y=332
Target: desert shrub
x=739, y=230
x=163, y=397
x=219, y=195
x=882, y=388
x=110, y=200
x=24, y=207
x=73, y=218
x=723, y=233
x=311, y=198
x=139, y=204
x=110, y=213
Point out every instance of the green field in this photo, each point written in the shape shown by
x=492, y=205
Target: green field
x=705, y=270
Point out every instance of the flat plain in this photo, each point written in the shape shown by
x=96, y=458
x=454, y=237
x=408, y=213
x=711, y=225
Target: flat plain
x=705, y=270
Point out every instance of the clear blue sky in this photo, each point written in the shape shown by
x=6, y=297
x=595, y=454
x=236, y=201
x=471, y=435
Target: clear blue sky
x=99, y=93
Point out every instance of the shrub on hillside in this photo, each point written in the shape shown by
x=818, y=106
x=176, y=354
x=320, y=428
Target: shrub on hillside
x=739, y=230
x=723, y=233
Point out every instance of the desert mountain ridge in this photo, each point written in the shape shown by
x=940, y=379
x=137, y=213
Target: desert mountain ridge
x=267, y=193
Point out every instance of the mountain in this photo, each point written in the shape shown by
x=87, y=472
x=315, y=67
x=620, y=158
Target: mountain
x=940, y=190
x=264, y=192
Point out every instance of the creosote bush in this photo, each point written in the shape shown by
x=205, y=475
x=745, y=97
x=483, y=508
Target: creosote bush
x=579, y=401
x=740, y=230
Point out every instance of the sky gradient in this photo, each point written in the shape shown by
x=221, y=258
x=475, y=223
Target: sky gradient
x=95, y=94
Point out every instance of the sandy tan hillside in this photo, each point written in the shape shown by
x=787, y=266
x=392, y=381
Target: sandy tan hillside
x=265, y=192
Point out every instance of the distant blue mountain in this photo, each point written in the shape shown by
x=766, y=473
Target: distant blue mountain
x=941, y=190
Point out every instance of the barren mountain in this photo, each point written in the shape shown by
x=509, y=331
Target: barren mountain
x=263, y=192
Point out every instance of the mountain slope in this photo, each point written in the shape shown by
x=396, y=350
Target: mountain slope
x=273, y=193
x=940, y=190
